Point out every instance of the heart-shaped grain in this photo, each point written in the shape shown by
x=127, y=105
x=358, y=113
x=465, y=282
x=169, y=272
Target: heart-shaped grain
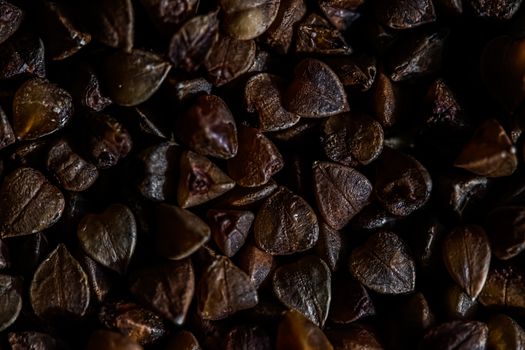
x=40, y=108
x=109, y=238
x=60, y=288
x=224, y=289
x=341, y=192
x=384, y=265
x=305, y=285
x=316, y=91
x=285, y=224
x=29, y=203
x=167, y=288
x=466, y=253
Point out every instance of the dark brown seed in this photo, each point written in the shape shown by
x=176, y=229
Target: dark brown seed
x=28, y=203
x=458, y=305
x=229, y=58
x=166, y=288
x=10, y=19
x=140, y=325
x=229, y=229
x=86, y=88
x=315, y=91
x=241, y=197
x=161, y=165
x=110, y=237
x=10, y=300
x=456, y=335
x=60, y=288
x=100, y=279
x=498, y=9
x=352, y=139
x=247, y=20
x=224, y=289
x=459, y=192
x=402, y=184
x=280, y=34
x=22, y=54
x=466, y=253
x=71, y=171
x=405, y=14
x=285, y=224
x=357, y=73
x=179, y=232
x=340, y=192
x=208, y=128
x=106, y=340
x=7, y=136
x=256, y=263
x=385, y=101
x=489, y=152
x=33, y=341
x=505, y=333
x=61, y=36
x=384, y=265
x=305, y=285
x=330, y=246
x=39, y=109
x=245, y=337
x=350, y=301
x=190, y=45
x=296, y=332
x=200, y=180
x=503, y=68
x=257, y=159
x=106, y=140
x=506, y=229
x=418, y=56
x=504, y=288
x=315, y=35
x=167, y=15
x=263, y=95
x=112, y=23
x=183, y=340
x=132, y=78
x=354, y=338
